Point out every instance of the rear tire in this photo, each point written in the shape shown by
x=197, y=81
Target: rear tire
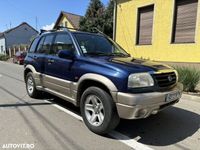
x=31, y=87
x=98, y=110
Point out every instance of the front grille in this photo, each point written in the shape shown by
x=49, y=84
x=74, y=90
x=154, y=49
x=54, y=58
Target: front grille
x=165, y=79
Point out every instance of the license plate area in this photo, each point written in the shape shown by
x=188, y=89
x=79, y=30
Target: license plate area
x=173, y=96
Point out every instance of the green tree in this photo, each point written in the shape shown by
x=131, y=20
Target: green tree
x=108, y=19
x=94, y=17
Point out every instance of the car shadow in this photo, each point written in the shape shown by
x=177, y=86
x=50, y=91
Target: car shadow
x=167, y=127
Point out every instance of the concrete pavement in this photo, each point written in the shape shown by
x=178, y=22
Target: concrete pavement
x=31, y=121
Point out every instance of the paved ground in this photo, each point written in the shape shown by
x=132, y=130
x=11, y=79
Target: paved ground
x=30, y=121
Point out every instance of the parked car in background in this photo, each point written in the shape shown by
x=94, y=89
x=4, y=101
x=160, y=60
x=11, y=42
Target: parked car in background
x=19, y=58
x=96, y=74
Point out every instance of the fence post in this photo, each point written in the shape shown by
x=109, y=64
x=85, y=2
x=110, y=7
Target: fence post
x=10, y=54
x=14, y=50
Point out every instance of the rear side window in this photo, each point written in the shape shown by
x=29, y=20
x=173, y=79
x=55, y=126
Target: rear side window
x=45, y=44
x=39, y=48
x=33, y=45
x=62, y=42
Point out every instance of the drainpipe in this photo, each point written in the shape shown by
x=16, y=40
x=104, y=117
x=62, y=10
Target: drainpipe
x=114, y=19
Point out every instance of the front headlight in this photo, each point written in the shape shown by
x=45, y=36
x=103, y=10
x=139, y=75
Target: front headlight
x=139, y=80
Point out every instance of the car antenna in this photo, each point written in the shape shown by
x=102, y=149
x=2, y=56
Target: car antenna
x=99, y=31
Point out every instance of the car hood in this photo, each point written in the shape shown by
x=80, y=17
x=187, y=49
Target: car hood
x=129, y=64
x=139, y=63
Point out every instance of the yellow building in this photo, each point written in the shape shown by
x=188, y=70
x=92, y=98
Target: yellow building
x=69, y=20
x=160, y=30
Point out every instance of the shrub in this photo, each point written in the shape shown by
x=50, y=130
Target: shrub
x=189, y=77
x=4, y=57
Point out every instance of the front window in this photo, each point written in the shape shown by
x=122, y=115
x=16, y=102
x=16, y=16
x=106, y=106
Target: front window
x=93, y=44
x=62, y=42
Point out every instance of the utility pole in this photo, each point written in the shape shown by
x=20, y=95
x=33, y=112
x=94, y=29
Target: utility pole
x=6, y=27
x=10, y=25
x=36, y=23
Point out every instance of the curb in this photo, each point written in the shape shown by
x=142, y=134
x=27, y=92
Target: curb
x=191, y=97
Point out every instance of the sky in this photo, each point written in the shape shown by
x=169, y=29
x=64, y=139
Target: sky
x=46, y=12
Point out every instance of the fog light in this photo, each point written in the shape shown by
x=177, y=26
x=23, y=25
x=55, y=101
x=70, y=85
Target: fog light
x=141, y=113
x=154, y=112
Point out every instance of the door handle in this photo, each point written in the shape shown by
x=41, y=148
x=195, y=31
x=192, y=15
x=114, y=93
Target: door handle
x=50, y=61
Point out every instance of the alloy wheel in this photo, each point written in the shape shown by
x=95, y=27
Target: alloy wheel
x=94, y=110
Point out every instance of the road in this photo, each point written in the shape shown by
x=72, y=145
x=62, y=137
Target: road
x=53, y=124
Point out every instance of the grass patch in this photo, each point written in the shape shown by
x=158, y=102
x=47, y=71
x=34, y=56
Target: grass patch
x=4, y=57
x=189, y=77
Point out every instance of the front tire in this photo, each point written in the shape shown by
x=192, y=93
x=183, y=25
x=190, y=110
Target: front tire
x=98, y=111
x=31, y=87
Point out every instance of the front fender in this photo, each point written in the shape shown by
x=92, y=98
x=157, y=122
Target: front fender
x=99, y=78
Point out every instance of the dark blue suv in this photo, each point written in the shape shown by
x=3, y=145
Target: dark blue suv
x=96, y=74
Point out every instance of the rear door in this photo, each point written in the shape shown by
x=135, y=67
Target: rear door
x=58, y=73
x=42, y=51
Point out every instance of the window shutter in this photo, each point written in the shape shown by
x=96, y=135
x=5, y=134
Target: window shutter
x=185, y=21
x=145, y=25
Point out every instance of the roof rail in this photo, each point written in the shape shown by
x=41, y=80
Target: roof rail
x=56, y=29
x=66, y=28
x=95, y=30
x=43, y=31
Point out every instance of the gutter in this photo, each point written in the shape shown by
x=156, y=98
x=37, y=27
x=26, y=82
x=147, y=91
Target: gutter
x=114, y=19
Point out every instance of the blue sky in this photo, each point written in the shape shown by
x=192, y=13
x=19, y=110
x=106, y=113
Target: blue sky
x=13, y=12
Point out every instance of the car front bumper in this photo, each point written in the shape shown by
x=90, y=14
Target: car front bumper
x=142, y=105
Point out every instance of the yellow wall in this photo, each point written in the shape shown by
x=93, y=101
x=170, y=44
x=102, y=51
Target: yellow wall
x=161, y=48
x=63, y=20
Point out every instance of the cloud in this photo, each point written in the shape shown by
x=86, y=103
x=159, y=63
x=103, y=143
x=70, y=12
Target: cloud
x=48, y=27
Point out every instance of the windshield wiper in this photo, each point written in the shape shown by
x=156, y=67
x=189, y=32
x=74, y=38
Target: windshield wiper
x=107, y=54
x=118, y=54
x=97, y=53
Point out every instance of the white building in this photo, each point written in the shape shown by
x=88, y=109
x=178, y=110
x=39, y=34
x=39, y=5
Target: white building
x=2, y=45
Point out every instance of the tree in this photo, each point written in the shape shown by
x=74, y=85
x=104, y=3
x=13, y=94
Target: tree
x=93, y=17
x=108, y=19
x=97, y=16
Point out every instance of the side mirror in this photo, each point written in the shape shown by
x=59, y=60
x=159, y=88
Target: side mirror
x=66, y=54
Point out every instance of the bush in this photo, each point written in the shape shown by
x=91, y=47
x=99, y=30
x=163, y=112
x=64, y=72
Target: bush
x=189, y=77
x=4, y=57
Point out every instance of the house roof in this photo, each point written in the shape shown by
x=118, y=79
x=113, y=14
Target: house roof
x=72, y=18
x=1, y=35
x=9, y=30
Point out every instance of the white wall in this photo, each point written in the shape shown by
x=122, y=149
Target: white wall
x=2, y=45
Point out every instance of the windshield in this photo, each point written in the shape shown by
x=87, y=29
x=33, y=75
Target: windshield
x=91, y=44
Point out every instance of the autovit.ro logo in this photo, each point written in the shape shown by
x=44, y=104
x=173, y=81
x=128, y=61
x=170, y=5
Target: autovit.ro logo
x=17, y=146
